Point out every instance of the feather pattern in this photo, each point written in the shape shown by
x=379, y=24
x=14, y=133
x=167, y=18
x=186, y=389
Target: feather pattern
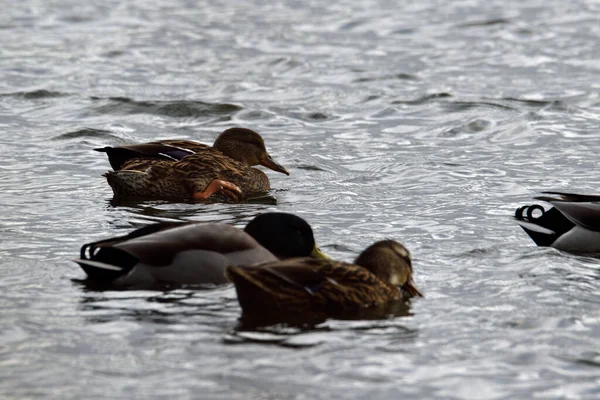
x=181, y=253
x=181, y=179
x=299, y=285
x=182, y=168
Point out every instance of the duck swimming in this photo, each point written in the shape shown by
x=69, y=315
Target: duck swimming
x=380, y=274
x=572, y=224
x=185, y=169
x=188, y=253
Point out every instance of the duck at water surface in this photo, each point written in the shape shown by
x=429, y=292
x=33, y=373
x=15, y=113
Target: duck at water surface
x=572, y=223
x=380, y=274
x=186, y=169
x=189, y=253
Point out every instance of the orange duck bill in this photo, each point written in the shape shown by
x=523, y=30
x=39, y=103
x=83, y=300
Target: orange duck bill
x=274, y=165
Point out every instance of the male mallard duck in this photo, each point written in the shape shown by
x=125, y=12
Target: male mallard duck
x=573, y=224
x=179, y=253
x=381, y=273
x=191, y=170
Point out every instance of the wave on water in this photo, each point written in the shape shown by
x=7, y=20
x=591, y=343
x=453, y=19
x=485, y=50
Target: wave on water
x=35, y=94
x=176, y=108
x=86, y=133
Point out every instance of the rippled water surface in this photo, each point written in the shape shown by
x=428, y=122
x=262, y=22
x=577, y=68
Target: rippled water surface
x=425, y=121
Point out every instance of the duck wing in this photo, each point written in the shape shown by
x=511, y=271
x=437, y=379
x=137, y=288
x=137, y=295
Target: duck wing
x=571, y=197
x=195, y=147
x=584, y=214
x=179, y=253
x=117, y=156
x=101, y=260
x=307, y=284
x=580, y=209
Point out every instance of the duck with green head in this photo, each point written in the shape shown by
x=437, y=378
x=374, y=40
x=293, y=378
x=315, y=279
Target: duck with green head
x=185, y=169
x=189, y=253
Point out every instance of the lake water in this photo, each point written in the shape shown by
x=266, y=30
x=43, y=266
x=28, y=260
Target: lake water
x=428, y=122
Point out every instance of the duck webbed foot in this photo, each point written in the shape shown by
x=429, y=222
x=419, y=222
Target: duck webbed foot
x=226, y=188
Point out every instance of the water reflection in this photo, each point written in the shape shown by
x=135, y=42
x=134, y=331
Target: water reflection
x=179, y=306
x=257, y=198
x=197, y=305
x=311, y=320
x=213, y=211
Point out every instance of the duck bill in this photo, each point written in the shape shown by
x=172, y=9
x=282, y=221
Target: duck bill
x=274, y=165
x=410, y=288
x=317, y=253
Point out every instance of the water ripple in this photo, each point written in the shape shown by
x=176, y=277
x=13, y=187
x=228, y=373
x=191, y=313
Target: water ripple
x=177, y=109
x=420, y=121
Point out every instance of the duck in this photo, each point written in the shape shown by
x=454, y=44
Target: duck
x=186, y=169
x=172, y=254
x=381, y=274
x=571, y=224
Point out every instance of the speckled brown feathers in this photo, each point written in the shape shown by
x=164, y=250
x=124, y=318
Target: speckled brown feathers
x=184, y=169
x=300, y=285
x=304, y=284
x=181, y=179
x=185, y=144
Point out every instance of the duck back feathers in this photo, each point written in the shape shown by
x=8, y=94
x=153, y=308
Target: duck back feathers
x=186, y=253
x=308, y=285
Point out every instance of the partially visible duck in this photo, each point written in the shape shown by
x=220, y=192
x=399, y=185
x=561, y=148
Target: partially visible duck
x=188, y=253
x=380, y=274
x=572, y=224
x=190, y=170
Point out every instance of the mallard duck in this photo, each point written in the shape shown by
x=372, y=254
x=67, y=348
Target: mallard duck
x=380, y=274
x=241, y=144
x=187, y=253
x=572, y=224
x=189, y=170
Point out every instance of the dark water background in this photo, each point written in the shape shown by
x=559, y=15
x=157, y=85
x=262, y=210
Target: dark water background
x=424, y=121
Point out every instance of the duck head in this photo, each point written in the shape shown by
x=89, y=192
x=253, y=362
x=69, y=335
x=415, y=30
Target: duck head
x=248, y=147
x=391, y=262
x=285, y=235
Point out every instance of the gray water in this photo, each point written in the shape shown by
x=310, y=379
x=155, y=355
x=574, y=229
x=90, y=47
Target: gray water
x=424, y=121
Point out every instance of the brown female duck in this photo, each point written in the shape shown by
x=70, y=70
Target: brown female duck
x=190, y=170
x=381, y=273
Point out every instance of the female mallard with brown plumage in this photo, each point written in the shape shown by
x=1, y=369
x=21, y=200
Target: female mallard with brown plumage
x=380, y=274
x=189, y=170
